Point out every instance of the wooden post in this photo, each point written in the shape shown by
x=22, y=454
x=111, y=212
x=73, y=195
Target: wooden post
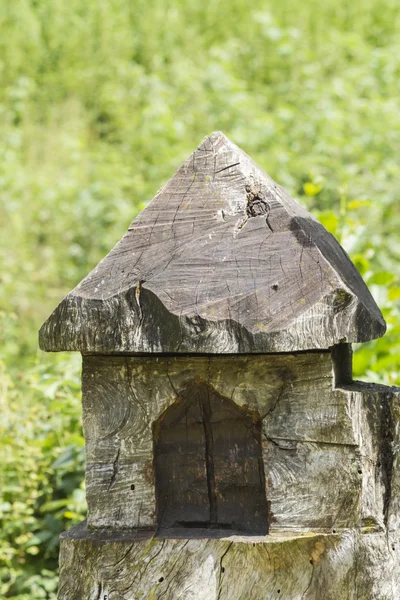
x=230, y=456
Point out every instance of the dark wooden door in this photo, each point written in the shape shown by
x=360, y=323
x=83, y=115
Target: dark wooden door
x=208, y=465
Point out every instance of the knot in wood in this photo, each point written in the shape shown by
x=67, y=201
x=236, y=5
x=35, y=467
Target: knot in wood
x=256, y=206
x=256, y=203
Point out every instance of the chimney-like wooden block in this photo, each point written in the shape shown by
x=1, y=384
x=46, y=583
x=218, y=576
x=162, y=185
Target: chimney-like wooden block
x=230, y=455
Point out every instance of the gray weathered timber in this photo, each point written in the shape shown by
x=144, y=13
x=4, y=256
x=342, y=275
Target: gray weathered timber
x=344, y=566
x=326, y=451
x=349, y=553
x=230, y=454
x=221, y=261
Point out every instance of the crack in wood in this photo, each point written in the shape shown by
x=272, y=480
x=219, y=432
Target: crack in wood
x=274, y=406
x=121, y=560
x=99, y=588
x=115, y=467
x=309, y=583
x=387, y=453
x=137, y=296
x=287, y=449
x=172, y=385
x=205, y=408
x=167, y=577
x=228, y=167
x=221, y=570
x=152, y=559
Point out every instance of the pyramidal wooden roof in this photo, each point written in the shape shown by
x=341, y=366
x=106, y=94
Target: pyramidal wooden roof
x=222, y=260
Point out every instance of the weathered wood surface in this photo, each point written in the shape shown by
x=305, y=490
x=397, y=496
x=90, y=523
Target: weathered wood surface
x=342, y=566
x=221, y=261
x=327, y=452
x=208, y=465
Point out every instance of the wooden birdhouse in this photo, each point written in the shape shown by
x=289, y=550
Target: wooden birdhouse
x=230, y=455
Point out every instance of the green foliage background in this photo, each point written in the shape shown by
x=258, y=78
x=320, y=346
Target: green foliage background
x=100, y=102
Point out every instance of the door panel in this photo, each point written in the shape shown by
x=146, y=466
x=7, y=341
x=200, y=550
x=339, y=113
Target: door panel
x=208, y=464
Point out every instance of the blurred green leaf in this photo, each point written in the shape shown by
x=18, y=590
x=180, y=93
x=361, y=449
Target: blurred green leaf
x=358, y=203
x=311, y=189
x=329, y=220
x=381, y=278
x=394, y=294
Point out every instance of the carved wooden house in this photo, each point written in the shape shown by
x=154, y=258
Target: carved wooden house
x=219, y=406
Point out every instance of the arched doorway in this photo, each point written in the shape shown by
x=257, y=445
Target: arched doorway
x=208, y=465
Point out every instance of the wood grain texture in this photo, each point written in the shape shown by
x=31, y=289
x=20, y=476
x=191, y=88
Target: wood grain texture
x=391, y=455
x=208, y=465
x=326, y=451
x=221, y=261
x=345, y=566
